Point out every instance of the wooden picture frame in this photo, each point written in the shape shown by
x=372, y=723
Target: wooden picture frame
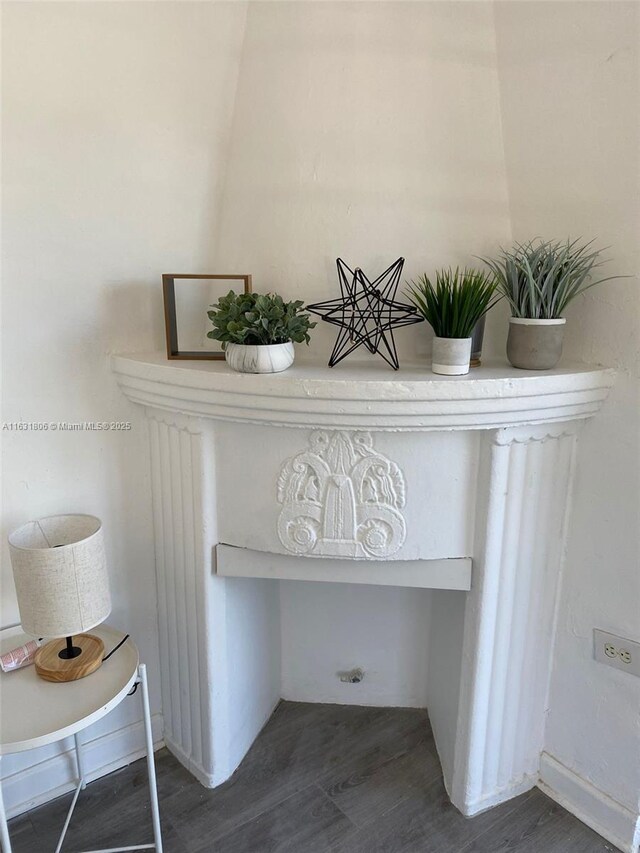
x=170, y=318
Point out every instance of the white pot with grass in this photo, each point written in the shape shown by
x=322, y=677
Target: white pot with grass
x=258, y=331
x=451, y=356
x=452, y=307
x=539, y=279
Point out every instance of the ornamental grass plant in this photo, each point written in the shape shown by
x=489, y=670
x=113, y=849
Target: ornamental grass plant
x=540, y=278
x=457, y=300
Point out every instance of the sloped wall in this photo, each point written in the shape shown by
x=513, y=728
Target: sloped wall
x=367, y=131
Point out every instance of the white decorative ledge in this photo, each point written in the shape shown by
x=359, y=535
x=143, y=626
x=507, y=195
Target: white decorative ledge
x=452, y=573
x=358, y=396
x=458, y=484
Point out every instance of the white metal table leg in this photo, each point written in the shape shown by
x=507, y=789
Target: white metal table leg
x=151, y=768
x=4, y=829
x=80, y=762
x=68, y=818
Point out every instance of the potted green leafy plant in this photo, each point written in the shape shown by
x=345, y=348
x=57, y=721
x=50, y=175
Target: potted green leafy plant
x=258, y=331
x=453, y=306
x=539, y=279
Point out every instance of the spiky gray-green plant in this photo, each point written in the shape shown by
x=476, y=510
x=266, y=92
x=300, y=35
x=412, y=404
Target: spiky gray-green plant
x=252, y=318
x=540, y=278
x=455, y=303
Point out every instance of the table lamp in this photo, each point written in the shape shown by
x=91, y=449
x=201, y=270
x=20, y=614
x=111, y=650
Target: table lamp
x=60, y=572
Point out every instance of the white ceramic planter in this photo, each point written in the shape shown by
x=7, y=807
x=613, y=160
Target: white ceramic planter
x=451, y=356
x=535, y=344
x=267, y=358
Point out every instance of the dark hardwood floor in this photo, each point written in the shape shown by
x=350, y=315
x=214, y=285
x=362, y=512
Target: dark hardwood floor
x=318, y=778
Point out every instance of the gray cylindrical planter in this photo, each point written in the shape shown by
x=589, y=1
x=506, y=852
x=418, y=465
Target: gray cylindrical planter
x=264, y=358
x=450, y=356
x=476, y=342
x=535, y=344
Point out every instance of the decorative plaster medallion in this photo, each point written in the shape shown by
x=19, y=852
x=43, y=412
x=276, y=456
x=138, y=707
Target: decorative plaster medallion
x=340, y=498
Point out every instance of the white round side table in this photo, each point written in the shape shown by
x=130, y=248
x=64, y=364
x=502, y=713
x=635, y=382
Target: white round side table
x=35, y=712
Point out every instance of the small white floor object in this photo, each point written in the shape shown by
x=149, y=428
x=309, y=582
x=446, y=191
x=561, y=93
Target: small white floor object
x=36, y=712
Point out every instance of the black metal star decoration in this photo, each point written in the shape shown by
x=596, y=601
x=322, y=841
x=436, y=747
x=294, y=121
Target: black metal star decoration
x=366, y=312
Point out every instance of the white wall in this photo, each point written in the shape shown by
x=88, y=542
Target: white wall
x=569, y=79
x=331, y=628
x=367, y=131
x=115, y=128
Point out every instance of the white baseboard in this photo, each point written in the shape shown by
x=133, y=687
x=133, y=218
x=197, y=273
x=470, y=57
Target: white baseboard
x=46, y=780
x=608, y=818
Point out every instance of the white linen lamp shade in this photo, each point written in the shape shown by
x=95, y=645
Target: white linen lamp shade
x=60, y=572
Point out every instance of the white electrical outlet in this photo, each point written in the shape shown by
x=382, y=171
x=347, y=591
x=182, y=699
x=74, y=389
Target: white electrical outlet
x=616, y=651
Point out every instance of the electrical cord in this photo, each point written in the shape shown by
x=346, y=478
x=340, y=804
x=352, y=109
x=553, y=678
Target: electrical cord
x=115, y=648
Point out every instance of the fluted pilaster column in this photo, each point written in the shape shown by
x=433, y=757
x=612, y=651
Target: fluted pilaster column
x=524, y=499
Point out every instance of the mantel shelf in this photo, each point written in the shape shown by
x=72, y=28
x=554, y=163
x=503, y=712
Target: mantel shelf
x=361, y=396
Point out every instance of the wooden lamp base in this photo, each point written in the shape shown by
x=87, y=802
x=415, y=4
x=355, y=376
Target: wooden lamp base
x=50, y=666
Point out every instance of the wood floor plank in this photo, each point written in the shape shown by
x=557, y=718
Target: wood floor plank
x=319, y=778
x=425, y=821
x=114, y=810
x=307, y=822
x=296, y=751
x=351, y=730
x=375, y=783
x=539, y=825
x=23, y=835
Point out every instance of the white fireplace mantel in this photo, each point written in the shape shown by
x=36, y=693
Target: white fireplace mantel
x=359, y=474
x=360, y=396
